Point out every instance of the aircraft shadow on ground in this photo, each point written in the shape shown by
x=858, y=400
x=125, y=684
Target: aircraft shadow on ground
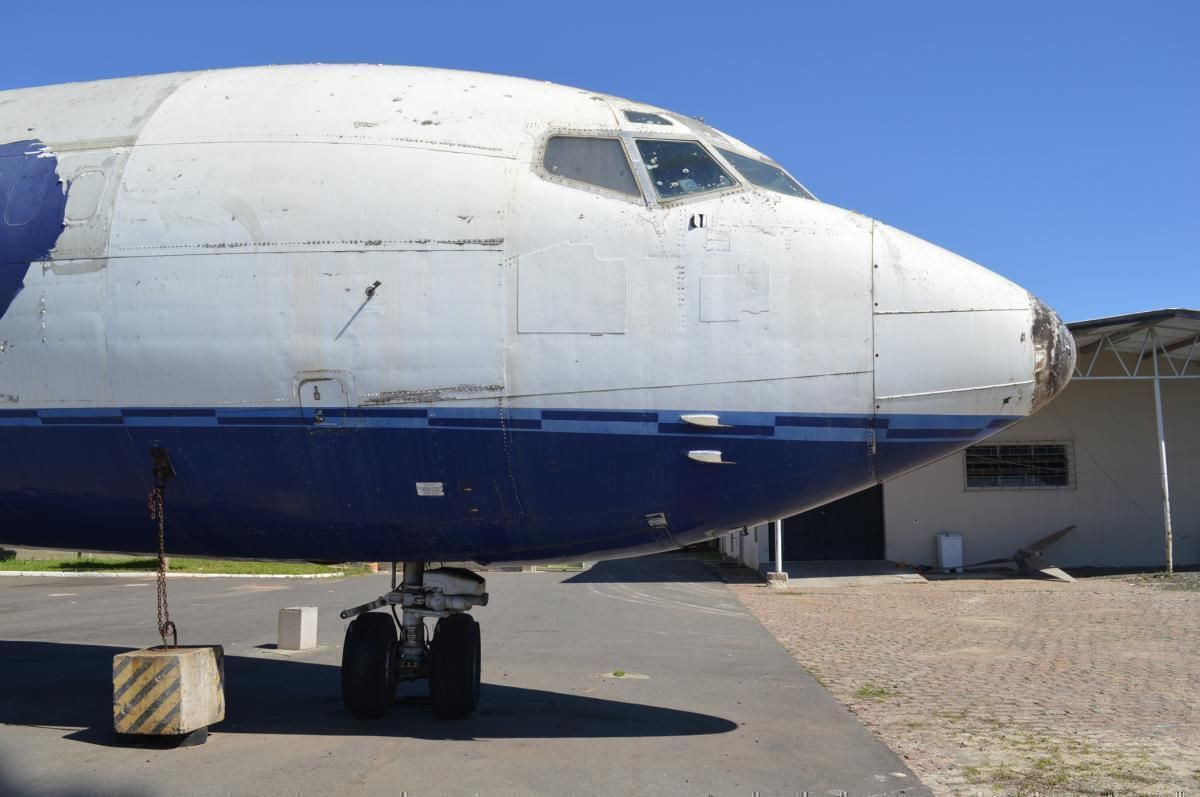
x=663, y=567
x=64, y=685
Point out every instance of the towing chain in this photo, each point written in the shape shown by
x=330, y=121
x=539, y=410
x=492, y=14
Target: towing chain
x=158, y=513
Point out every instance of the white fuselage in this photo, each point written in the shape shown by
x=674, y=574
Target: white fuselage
x=314, y=239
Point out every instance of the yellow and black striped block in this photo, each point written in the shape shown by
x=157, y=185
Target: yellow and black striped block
x=168, y=691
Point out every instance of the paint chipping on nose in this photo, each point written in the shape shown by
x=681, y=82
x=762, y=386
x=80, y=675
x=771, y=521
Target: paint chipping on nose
x=1054, y=354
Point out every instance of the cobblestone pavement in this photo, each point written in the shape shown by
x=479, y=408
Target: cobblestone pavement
x=1011, y=686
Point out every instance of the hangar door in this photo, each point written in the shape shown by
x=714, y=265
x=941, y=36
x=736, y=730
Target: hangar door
x=849, y=528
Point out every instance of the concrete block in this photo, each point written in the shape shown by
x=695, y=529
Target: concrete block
x=297, y=628
x=777, y=579
x=168, y=691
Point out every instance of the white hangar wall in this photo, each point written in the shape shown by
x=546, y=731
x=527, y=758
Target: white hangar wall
x=750, y=547
x=1116, y=501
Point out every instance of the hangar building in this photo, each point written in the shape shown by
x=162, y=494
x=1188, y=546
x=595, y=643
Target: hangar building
x=1091, y=458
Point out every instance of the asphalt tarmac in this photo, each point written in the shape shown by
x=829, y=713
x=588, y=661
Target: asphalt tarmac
x=709, y=703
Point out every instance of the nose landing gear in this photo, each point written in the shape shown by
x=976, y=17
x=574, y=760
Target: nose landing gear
x=375, y=658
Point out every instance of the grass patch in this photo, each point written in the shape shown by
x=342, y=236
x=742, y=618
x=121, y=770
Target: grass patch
x=1126, y=776
x=1187, y=582
x=1035, y=764
x=1004, y=774
x=874, y=692
x=179, y=564
x=618, y=673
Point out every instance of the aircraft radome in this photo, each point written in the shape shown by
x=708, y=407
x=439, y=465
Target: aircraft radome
x=372, y=313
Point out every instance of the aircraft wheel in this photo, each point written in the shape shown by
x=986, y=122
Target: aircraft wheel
x=368, y=680
x=454, y=667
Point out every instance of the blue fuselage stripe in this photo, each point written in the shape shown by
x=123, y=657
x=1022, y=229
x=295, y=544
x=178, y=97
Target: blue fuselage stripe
x=343, y=484
x=662, y=422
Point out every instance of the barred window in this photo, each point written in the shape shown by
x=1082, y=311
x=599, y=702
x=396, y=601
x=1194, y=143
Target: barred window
x=1020, y=466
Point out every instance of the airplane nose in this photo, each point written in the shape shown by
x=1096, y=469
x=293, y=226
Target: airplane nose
x=1053, y=353
x=960, y=352
x=955, y=340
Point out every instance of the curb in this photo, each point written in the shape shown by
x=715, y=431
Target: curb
x=154, y=574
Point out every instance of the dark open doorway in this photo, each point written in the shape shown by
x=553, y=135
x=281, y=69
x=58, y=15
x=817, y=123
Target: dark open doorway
x=849, y=528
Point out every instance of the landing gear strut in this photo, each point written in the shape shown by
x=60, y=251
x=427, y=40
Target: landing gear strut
x=375, y=658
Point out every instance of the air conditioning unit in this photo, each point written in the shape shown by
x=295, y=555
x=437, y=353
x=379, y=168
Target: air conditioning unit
x=949, y=551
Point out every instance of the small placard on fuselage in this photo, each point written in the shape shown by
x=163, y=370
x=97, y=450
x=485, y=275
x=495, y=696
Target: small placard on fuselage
x=431, y=488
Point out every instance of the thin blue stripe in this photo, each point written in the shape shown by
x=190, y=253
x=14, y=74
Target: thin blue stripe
x=79, y=412
x=601, y=427
x=265, y=420
x=917, y=434
x=847, y=421
x=836, y=427
x=486, y=423
x=376, y=412
x=169, y=412
x=733, y=430
x=599, y=415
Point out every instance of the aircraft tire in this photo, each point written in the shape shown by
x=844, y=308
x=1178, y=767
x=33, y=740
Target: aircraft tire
x=454, y=667
x=368, y=682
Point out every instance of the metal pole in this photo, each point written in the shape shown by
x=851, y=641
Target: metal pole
x=1162, y=464
x=778, y=545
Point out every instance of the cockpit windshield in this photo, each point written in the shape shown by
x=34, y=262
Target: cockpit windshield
x=594, y=161
x=679, y=168
x=764, y=174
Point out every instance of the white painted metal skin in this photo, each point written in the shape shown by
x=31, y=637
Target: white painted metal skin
x=371, y=236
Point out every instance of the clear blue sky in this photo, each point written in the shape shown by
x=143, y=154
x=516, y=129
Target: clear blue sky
x=1054, y=142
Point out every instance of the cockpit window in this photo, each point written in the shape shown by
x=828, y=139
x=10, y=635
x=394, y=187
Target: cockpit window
x=594, y=161
x=765, y=175
x=678, y=168
x=642, y=118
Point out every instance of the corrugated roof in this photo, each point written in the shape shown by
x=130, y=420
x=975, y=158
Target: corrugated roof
x=1174, y=327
